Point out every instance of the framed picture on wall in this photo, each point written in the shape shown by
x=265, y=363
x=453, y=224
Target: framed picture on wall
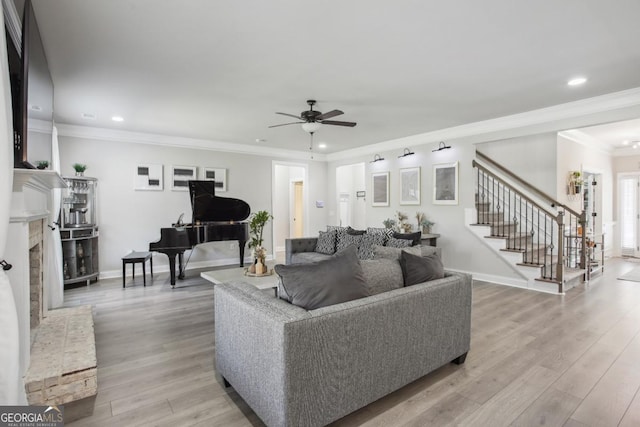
x=410, y=186
x=219, y=175
x=380, y=185
x=180, y=177
x=445, y=184
x=148, y=178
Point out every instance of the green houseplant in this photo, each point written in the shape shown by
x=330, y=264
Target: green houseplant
x=42, y=164
x=79, y=168
x=257, y=221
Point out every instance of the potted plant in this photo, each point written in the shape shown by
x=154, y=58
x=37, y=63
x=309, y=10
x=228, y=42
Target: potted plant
x=257, y=221
x=424, y=223
x=42, y=164
x=79, y=168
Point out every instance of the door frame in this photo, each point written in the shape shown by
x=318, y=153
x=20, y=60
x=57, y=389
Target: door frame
x=305, y=195
x=620, y=177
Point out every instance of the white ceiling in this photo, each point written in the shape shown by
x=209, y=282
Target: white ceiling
x=219, y=70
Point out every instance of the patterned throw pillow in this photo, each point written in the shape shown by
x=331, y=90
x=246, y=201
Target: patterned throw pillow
x=398, y=243
x=365, y=250
x=384, y=232
x=345, y=240
x=326, y=242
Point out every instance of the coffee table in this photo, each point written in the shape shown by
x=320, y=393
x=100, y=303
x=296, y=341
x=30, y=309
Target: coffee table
x=229, y=274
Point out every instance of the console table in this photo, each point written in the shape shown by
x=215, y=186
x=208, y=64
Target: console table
x=429, y=239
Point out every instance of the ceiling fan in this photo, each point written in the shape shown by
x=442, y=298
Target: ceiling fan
x=311, y=119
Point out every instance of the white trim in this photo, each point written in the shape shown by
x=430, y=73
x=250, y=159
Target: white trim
x=13, y=24
x=305, y=196
x=570, y=110
x=586, y=140
x=102, y=134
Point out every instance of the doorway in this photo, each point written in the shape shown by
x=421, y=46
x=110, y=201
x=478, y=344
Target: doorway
x=288, y=202
x=629, y=189
x=296, y=218
x=350, y=182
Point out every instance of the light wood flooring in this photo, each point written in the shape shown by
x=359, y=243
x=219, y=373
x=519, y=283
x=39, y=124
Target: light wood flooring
x=535, y=359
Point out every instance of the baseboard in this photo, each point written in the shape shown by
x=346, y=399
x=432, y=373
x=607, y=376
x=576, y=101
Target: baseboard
x=491, y=278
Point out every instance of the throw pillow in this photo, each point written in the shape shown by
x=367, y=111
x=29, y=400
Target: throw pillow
x=365, y=250
x=345, y=240
x=419, y=269
x=386, y=252
x=398, y=243
x=326, y=242
x=414, y=237
x=324, y=283
x=355, y=232
x=384, y=232
x=382, y=275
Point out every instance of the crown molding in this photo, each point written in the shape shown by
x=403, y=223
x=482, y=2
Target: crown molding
x=13, y=23
x=570, y=110
x=579, y=137
x=103, y=134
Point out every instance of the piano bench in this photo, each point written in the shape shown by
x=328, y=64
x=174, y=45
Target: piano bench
x=133, y=258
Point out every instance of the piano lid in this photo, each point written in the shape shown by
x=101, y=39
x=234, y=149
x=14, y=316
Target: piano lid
x=207, y=207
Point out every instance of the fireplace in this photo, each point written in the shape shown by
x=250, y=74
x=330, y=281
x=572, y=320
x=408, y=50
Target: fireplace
x=36, y=273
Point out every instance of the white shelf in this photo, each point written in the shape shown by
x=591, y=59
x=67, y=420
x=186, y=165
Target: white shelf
x=41, y=180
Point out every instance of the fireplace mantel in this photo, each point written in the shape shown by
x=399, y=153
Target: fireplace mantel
x=41, y=180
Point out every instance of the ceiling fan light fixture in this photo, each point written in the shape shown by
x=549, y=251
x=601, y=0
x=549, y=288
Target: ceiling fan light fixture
x=441, y=146
x=311, y=127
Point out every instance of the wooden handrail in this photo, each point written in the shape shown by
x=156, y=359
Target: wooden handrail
x=526, y=184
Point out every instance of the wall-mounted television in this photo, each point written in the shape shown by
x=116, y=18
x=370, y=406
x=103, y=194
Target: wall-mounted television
x=31, y=93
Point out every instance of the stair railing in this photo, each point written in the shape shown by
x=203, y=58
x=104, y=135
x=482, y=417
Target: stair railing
x=550, y=237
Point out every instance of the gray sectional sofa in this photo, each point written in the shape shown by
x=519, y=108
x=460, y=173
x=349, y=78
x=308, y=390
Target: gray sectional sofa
x=297, y=367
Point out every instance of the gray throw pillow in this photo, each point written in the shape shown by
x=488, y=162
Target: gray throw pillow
x=355, y=232
x=386, y=252
x=326, y=242
x=382, y=275
x=324, y=283
x=419, y=269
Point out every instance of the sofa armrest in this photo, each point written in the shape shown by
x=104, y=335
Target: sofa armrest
x=299, y=244
x=250, y=345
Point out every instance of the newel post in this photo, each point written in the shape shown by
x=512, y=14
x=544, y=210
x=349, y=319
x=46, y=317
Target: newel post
x=583, y=239
x=560, y=264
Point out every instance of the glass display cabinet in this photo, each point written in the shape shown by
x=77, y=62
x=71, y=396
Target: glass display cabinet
x=79, y=230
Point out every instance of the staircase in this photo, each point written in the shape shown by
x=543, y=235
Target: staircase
x=537, y=236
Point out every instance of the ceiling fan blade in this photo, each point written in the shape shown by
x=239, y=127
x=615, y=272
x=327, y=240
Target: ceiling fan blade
x=329, y=114
x=285, y=124
x=338, y=123
x=291, y=115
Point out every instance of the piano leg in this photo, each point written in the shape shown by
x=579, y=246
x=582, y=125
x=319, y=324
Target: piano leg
x=172, y=268
x=241, y=244
x=181, y=265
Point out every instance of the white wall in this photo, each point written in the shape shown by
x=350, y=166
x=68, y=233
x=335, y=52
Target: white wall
x=130, y=220
x=574, y=155
x=532, y=157
x=349, y=180
x=461, y=249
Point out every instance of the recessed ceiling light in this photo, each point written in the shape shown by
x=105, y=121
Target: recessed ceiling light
x=259, y=140
x=322, y=145
x=117, y=118
x=88, y=116
x=625, y=142
x=577, y=81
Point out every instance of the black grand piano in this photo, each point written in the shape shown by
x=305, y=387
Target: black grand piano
x=214, y=219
